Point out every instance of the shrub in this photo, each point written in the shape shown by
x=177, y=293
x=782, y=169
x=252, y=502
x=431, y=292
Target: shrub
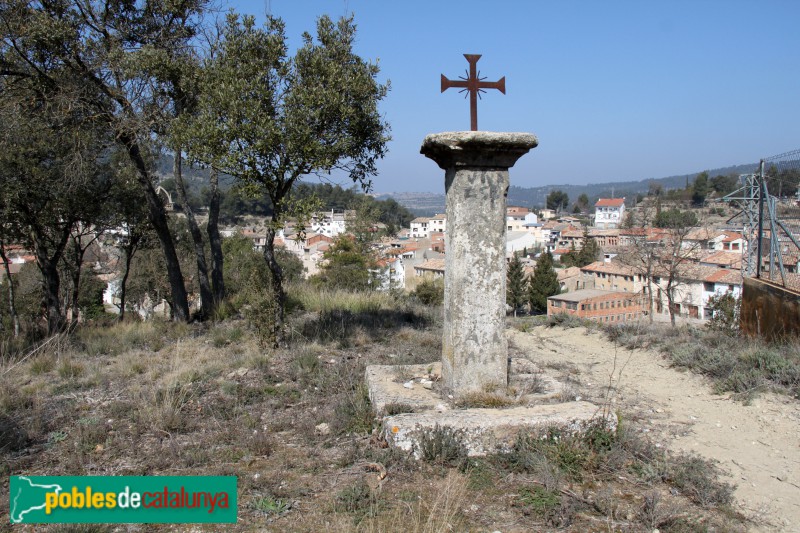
x=430, y=291
x=697, y=478
x=443, y=444
x=725, y=312
x=354, y=413
x=539, y=500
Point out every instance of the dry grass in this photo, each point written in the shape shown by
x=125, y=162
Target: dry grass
x=207, y=400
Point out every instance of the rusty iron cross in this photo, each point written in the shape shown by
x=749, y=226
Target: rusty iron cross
x=474, y=85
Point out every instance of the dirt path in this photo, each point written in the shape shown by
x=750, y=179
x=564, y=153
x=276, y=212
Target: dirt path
x=758, y=445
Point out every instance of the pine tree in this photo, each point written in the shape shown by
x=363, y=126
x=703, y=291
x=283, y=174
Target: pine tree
x=589, y=251
x=515, y=284
x=542, y=283
x=572, y=257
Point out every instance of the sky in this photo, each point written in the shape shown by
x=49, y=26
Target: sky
x=614, y=90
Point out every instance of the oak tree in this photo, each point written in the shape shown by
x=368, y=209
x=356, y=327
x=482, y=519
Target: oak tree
x=268, y=118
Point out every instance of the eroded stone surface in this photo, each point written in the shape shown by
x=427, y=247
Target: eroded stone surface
x=385, y=386
x=476, y=163
x=485, y=431
x=477, y=148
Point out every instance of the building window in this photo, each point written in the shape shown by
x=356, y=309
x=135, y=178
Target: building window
x=708, y=286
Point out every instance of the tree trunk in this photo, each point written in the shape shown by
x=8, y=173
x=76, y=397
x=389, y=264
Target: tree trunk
x=52, y=284
x=215, y=242
x=206, y=299
x=12, y=306
x=670, y=303
x=276, y=279
x=122, y=286
x=158, y=218
x=79, y=251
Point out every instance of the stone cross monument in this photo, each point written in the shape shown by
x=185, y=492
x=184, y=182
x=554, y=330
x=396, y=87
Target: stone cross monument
x=476, y=163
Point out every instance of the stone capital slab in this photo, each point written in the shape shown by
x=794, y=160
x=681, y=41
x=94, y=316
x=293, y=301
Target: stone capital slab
x=477, y=149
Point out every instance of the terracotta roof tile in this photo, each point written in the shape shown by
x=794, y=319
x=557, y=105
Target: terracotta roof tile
x=610, y=202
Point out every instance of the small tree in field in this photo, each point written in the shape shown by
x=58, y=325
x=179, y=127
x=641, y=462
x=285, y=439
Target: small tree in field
x=515, y=284
x=542, y=283
x=725, y=313
x=268, y=119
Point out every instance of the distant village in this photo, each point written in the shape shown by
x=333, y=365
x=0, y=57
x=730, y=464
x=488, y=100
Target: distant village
x=628, y=280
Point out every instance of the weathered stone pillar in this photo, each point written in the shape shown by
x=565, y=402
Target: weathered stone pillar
x=474, y=347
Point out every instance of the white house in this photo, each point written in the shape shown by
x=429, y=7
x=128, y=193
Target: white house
x=391, y=274
x=691, y=294
x=437, y=223
x=330, y=223
x=609, y=213
x=520, y=221
x=420, y=227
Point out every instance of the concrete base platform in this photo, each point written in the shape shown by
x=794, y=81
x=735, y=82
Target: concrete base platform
x=408, y=399
x=485, y=431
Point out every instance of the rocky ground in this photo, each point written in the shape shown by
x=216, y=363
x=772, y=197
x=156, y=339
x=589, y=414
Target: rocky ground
x=756, y=444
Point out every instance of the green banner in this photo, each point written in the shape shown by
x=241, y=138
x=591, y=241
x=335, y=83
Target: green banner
x=122, y=499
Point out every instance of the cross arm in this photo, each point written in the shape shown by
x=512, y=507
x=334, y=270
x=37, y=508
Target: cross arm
x=500, y=85
x=447, y=83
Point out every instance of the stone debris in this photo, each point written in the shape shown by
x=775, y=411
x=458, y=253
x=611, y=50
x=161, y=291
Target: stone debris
x=240, y=373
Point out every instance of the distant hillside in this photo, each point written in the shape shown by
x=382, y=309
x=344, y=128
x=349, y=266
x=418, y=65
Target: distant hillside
x=425, y=204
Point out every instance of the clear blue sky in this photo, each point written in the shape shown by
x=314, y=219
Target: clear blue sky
x=616, y=90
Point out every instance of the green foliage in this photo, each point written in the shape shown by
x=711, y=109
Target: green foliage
x=271, y=505
x=725, y=309
x=345, y=267
x=583, y=202
x=515, y=284
x=590, y=250
x=783, y=182
x=430, y=291
x=736, y=365
x=557, y=200
x=148, y=280
x=354, y=414
x=700, y=189
x=388, y=211
x=587, y=255
x=539, y=500
x=542, y=283
x=723, y=185
x=675, y=219
x=90, y=297
x=267, y=119
x=573, y=452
